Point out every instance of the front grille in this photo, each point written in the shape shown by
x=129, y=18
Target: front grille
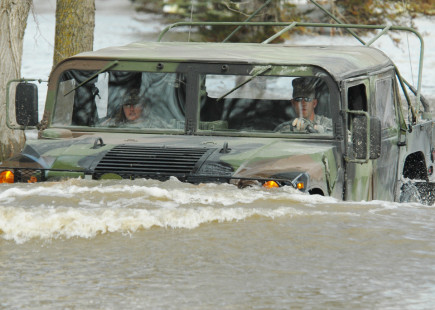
x=28, y=175
x=139, y=161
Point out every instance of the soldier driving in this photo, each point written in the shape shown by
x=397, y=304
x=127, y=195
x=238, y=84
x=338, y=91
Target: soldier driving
x=304, y=102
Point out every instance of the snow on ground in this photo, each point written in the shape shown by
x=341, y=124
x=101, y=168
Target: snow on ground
x=116, y=23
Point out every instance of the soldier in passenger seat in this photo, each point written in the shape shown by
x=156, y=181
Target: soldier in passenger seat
x=135, y=111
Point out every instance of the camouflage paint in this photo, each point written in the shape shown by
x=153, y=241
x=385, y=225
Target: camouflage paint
x=72, y=152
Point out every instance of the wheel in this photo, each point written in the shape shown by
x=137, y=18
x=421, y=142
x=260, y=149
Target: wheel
x=282, y=125
x=409, y=193
x=308, y=126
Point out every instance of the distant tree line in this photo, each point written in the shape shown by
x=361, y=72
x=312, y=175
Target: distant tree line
x=349, y=11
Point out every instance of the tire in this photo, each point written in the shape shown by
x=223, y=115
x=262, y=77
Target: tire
x=409, y=193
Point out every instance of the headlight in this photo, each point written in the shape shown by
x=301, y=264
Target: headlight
x=298, y=180
x=270, y=184
x=273, y=184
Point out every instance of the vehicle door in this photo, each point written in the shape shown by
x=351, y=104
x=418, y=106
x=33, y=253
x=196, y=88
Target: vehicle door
x=359, y=175
x=385, y=108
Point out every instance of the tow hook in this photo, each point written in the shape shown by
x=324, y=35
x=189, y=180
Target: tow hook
x=98, y=140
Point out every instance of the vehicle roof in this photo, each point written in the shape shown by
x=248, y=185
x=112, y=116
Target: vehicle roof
x=340, y=61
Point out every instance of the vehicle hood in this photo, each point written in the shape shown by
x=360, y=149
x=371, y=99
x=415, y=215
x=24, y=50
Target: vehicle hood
x=203, y=158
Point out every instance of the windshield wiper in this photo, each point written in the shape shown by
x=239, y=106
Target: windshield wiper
x=110, y=65
x=259, y=72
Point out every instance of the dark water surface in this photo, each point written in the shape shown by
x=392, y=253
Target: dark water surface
x=144, y=244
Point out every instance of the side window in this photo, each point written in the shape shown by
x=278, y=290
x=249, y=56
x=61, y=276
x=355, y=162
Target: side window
x=385, y=109
x=356, y=99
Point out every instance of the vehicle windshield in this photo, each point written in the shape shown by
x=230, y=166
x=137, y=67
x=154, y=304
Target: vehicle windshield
x=120, y=99
x=282, y=104
x=259, y=102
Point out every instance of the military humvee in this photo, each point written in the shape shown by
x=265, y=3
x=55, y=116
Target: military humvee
x=215, y=112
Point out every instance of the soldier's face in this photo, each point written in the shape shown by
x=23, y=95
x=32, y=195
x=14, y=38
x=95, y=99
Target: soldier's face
x=304, y=107
x=132, y=112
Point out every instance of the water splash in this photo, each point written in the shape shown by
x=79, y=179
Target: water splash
x=85, y=209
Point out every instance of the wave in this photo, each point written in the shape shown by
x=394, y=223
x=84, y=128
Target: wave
x=85, y=209
x=82, y=208
x=21, y=224
x=77, y=192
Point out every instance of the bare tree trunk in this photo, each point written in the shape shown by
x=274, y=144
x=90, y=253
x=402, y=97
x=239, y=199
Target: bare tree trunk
x=75, y=23
x=13, y=21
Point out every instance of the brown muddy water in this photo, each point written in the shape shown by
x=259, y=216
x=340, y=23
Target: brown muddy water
x=145, y=244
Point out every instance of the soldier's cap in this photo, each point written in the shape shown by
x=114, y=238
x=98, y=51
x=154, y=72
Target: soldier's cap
x=132, y=98
x=304, y=87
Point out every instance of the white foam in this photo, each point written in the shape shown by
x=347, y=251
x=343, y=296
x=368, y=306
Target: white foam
x=91, y=193
x=84, y=208
x=48, y=222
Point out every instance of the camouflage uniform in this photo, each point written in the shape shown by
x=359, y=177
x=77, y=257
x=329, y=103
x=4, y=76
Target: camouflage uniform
x=321, y=124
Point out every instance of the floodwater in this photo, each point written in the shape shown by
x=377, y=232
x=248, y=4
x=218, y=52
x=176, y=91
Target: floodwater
x=145, y=244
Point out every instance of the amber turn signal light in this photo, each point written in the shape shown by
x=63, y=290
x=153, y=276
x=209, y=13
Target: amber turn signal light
x=7, y=177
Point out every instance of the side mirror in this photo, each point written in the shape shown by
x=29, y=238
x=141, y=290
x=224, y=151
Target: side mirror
x=26, y=104
x=364, y=143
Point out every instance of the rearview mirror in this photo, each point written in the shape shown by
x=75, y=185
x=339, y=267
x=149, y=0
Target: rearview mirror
x=26, y=104
x=363, y=143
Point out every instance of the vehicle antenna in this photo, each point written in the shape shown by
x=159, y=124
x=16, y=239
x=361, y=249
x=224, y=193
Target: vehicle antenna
x=405, y=5
x=191, y=16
